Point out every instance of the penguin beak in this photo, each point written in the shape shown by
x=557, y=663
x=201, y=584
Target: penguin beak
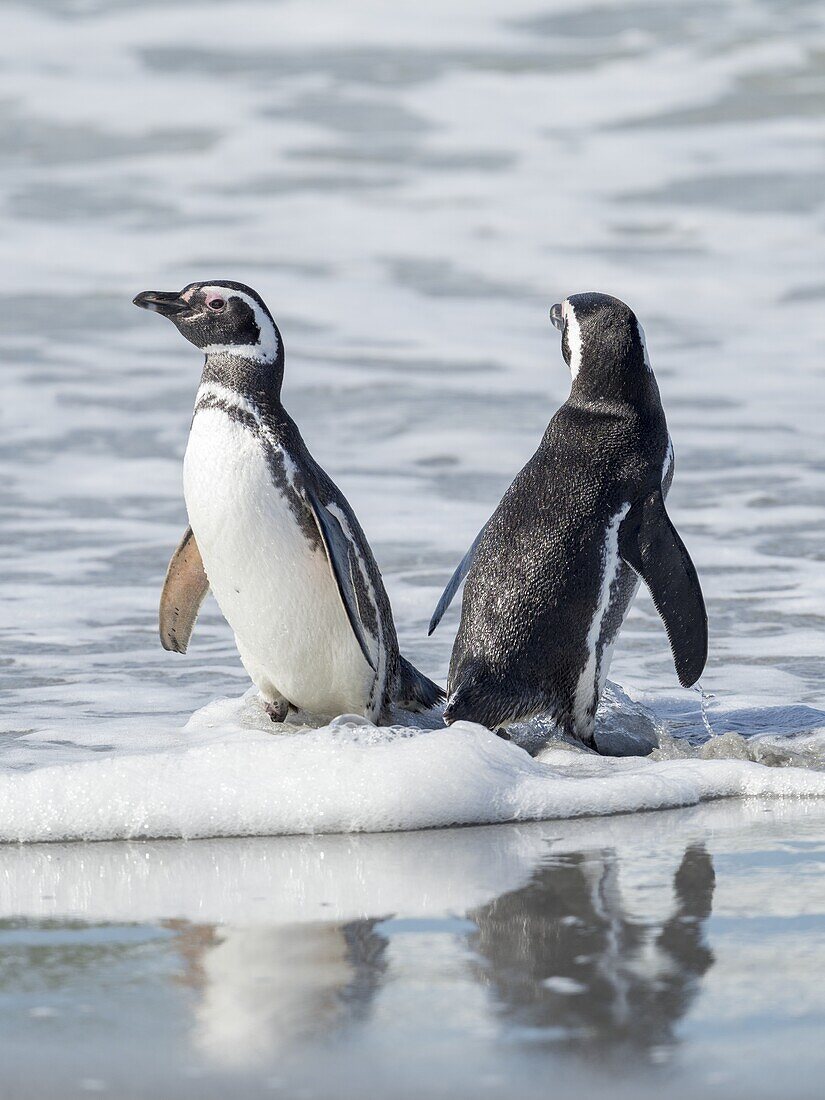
x=555, y=317
x=167, y=303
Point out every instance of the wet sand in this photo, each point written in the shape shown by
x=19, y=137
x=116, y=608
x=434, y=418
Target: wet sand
x=676, y=952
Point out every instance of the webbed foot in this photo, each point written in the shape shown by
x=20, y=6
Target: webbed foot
x=277, y=711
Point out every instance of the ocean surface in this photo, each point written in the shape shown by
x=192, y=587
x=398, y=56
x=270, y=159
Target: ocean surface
x=410, y=186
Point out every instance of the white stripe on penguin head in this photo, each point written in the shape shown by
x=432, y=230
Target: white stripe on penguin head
x=265, y=349
x=574, y=337
x=644, y=345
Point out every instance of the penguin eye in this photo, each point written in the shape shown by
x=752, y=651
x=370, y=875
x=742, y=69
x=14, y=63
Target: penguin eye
x=215, y=304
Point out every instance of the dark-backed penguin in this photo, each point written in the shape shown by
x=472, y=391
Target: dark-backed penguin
x=554, y=571
x=271, y=534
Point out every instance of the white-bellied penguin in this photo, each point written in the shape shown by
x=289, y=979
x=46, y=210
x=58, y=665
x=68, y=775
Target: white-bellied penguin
x=271, y=534
x=554, y=571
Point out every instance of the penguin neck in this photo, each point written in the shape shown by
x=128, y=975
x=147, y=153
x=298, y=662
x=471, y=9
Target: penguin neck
x=608, y=381
x=258, y=378
x=611, y=367
x=618, y=389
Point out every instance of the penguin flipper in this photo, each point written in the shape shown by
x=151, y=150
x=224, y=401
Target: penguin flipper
x=454, y=582
x=338, y=551
x=650, y=544
x=184, y=590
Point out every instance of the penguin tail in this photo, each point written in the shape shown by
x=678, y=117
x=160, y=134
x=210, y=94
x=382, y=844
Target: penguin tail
x=415, y=691
x=477, y=696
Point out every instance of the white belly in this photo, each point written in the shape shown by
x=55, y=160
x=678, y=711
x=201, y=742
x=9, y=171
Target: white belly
x=274, y=590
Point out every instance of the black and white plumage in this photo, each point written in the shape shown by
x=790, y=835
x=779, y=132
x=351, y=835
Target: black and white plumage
x=271, y=533
x=554, y=571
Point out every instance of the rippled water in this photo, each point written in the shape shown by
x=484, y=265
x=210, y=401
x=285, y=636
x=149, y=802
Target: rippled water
x=410, y=186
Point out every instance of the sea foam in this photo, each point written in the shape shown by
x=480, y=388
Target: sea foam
x=227, y=774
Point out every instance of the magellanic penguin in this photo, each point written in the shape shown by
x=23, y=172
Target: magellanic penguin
x=554, y=571
x=271, y=534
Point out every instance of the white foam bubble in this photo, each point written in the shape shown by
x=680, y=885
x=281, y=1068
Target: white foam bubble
x=226, y=777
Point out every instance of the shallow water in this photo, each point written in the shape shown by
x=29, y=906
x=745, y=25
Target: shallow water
x=633, y=955
x=410, y=186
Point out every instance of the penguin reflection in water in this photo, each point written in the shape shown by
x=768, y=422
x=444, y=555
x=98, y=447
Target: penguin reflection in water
x=271, y=534
x=565, y=955
x=266, y=990
x=552, y=574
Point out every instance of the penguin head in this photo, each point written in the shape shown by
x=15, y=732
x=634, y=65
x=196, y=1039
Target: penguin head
x=220, y=318
x=602, y=343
